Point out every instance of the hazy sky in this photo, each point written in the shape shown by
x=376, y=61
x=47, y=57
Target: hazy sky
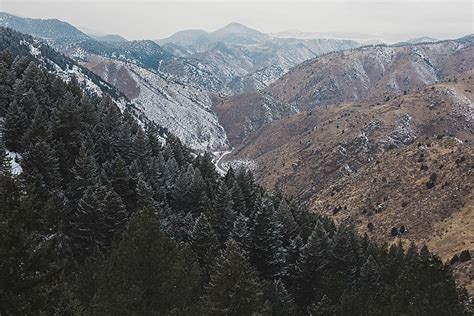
x=148, y=19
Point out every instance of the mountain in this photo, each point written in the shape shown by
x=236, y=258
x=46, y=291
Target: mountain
x=186, y=38
x=294, y=33
x=244, y=59
x=44, y=28
x=367, y=73
x=233, y=33
x=419, y=40
x=109, y=38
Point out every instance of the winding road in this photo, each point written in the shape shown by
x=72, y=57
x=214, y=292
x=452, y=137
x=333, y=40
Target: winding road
x=218, y=162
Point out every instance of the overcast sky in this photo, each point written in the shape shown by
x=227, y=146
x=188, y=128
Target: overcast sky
x=148, y=19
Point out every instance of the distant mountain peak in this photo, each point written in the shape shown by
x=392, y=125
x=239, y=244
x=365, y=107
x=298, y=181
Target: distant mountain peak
x=235, y=27
x=109, y=38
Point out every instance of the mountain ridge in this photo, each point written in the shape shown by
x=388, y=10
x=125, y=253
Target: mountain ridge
x=371, y=72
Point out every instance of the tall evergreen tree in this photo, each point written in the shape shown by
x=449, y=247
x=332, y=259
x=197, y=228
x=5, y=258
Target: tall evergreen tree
x=7, y=79
x=115, y=215
x=86, y=227
x=281, y=302
x=85, y=174
x=204, y=242
x=266, y=251
x=221, y=215
x=41, y=171
x=139, y=149
x=16, y=123
x=345, y=258
x=39, y=129
x=241, y=232
x=234, y=288
x=289, y=227
x=118, y=177
x=5, y=165
x=310, y=280
x=146, y=273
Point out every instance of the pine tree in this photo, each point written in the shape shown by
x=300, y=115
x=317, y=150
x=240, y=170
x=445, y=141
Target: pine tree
x=154, y=143
x=29, y=102
x=154, y=177
x=280, y=300
x=238, y=200
x=6, y=57
x=170, y=174
x=181, y=196
x=5, y=165
x=39, y=128
x=204, y=204
x=144, y=194
x=249, y=188
x=369, y=276
x=115, y=215
x=68, y=131
x=34, y=81
x=310, y=273
x=138, y=149
x=197, y=192
x=206, y=167
x=345, y=258
x=146, y=273
x=204, y=242
x=41, y=171
x=7, y=79
x=16, y=123
x=241, y=232
x=266, y=251
x=107, y=132
x=222, y=215
x=85, y=174
x=322, y=308
x=294, y=250
x=289, y=227
x=234, y=288
x=117, y=175
x=86, y=227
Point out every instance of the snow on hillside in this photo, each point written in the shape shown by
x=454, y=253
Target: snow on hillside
x=184, y=110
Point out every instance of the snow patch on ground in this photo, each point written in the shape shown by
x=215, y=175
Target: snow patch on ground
x=15, y=166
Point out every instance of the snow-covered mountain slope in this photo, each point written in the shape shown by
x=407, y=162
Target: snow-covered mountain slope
x=244, y=59
x=183, y=109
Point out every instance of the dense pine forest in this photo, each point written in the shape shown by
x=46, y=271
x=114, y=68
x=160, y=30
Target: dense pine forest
x=106, y=217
